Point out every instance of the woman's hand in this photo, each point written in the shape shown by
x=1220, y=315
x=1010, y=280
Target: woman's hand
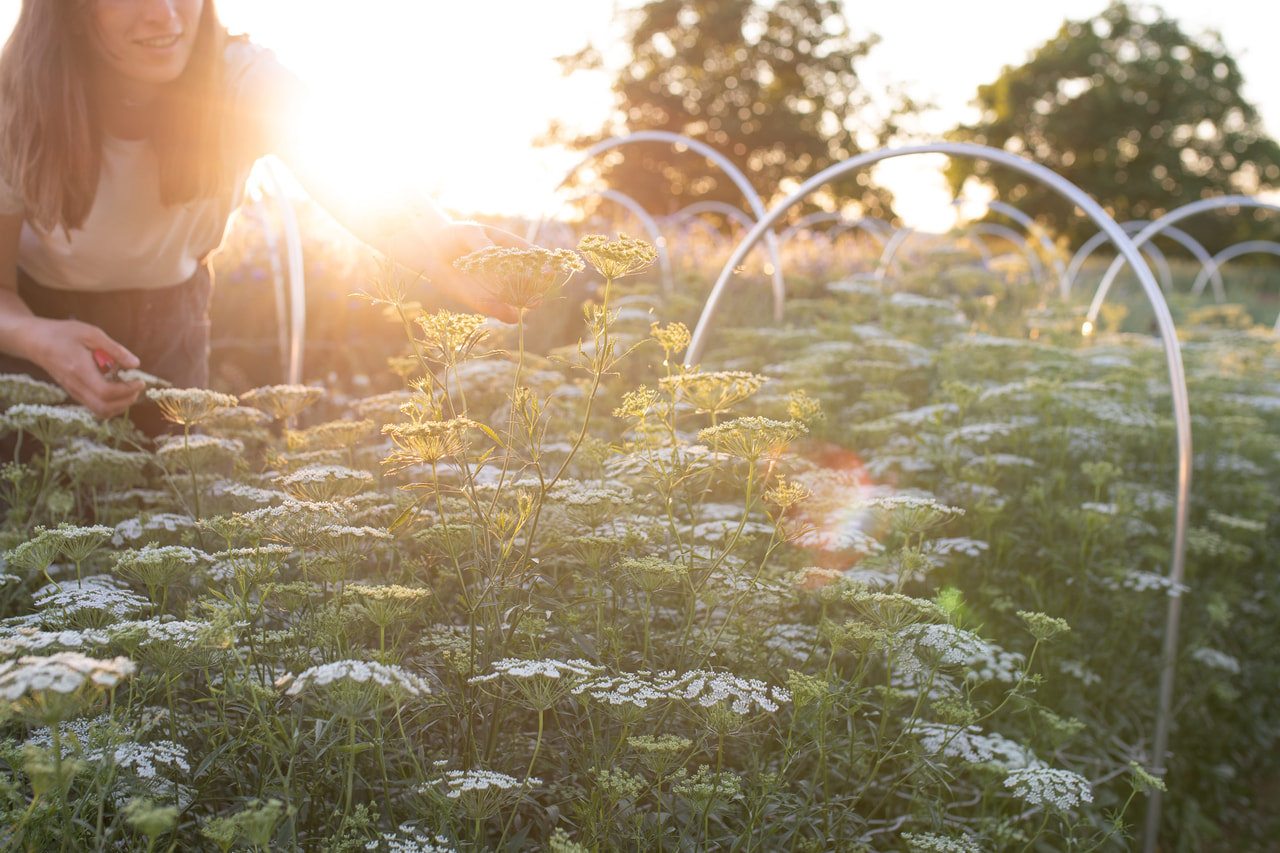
x=456, y=239
x=64, y=348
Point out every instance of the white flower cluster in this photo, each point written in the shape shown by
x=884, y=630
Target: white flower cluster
x=343, y=531
x=1215, y=659
x=28, y=415
x=1143, y=581
x=144, y=758
x=932, y=842
x=993, y=663
x=15, y=640
x=133, y=529
x=957, y=545
x=385, y=675
x=946, y=644
x=325, y=474
x=174, y=445
x=62, y=672
x=982, y=433
x=460, y=781
x=708, y=688
x=1040, y=786
x=246, y=492
x=152, y=554
x=1115, y=413
x=704, y=688
x=517, y=668
x=971, y=744
x=1100, y=508
x=409, y=840
x=792, y=640
x=178, y=633
x=94, y=594
x=1235, y=522
x=1079, y=670
x=626, y=689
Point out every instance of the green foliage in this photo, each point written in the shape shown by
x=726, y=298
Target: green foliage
x=1136, y=112
x=772, y=86
x=604, y=601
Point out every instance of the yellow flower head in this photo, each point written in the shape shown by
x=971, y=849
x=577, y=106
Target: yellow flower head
x=624, y=256
x=282, y=401
x=451, y=337
x=752, y=438
x=673, y=337
x=188, y=406
x=520, y=277
x=427, y=442
x=718, y=391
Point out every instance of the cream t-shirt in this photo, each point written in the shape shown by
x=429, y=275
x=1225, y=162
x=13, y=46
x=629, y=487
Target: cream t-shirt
x=130, y=239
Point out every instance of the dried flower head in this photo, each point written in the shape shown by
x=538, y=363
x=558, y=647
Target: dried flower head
x=1043, y=626
x=673, y=337
x=147, y=379
x=752, y=438
x=520, y=277
x=282, y=401
x=652, y=573
x=450, y=338
x=717, y=391
x=331, y=435
x=188, y=406
x=427, y=442
x=624, y=256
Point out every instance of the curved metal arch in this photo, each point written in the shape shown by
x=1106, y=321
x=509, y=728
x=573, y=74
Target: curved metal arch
x=900, y=237
x=995, y=229
x=1196, y=248
x=1176, y=215
x=1169, y=340
x=1248, y=247
x=700, y=207
x=278, y=288
x=650, y=226
x=877, y=228
x=727, y=166
x=1133, y=226
x=890, y=251
x=1025, y=220
x=872, y=225
x=297, y=282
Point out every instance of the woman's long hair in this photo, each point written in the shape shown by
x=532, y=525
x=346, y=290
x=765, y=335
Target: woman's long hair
x=51, y=135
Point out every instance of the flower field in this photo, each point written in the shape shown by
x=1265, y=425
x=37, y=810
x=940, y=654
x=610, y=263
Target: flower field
x=889, y=576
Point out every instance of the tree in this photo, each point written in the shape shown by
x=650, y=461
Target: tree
x=772, y=87
x=1132, y=110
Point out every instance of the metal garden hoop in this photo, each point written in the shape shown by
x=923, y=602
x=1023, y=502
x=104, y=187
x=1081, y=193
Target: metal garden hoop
x=1169, y=341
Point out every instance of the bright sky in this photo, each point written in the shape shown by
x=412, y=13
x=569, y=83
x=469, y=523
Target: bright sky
x=458, y=90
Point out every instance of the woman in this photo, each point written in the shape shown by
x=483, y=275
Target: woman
x=127, y=132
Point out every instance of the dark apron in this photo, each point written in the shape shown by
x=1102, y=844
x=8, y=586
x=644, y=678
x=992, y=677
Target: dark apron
x=167, y=328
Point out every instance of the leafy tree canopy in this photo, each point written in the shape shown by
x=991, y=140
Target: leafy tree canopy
x=1135, y=112
x=772, y=86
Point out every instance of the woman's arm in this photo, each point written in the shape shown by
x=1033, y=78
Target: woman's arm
x=63, y=348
